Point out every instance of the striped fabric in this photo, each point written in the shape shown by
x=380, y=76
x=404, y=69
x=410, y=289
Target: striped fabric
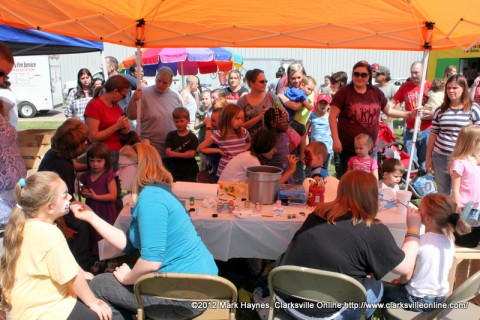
x=447, y=126
x=231, y=146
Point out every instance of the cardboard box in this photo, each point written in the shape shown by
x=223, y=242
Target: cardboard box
x=34, y=143
x=293, y=193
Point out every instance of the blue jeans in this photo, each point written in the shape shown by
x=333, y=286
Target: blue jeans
x=442, y=177
x=420, y=146
x=374, y=290
x=122, y=300
x=400, y=294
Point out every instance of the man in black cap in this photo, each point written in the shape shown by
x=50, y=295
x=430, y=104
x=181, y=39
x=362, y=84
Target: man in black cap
x=382, y=80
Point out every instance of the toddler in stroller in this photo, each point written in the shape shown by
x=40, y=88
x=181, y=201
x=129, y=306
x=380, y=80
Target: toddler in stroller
x=421, y=182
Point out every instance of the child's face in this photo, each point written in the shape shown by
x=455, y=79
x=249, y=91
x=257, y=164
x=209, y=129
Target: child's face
x=454, y=91
x=237, y=121
x=322, y=107
x=206, y=100
x=311, y=160
x=61, y=206
x=181, y=124
x=361, y=147
x=214, y=95
x=392, y=179
x=307, y=88
x=214, y=120
x=96, y=164
x=269, y=154
x=296, y=79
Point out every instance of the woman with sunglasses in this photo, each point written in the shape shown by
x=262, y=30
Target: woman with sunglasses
x=257, y=101
x=159, y=228
x=357, y=108
x=105, y=118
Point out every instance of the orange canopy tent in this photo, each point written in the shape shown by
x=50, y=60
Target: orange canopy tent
x=372, y=24
x=421, y=25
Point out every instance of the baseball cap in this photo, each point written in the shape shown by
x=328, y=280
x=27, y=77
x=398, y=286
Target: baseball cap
x=383, y=70
x=325, y=97
x=375, y=66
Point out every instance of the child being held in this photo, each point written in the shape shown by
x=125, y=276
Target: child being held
x=436, y=94
x=428, y=282
x=300, y=112
x=181, y=148
x=363, y=161
x=315, y=155
x=392, y=174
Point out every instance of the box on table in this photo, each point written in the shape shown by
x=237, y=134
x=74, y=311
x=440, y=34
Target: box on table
x=292, y=192
x=33, y=144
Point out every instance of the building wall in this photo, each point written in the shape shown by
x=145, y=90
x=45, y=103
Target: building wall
x=317, y=62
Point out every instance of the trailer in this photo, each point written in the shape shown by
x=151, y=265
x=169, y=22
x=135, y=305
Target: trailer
x=37, y=84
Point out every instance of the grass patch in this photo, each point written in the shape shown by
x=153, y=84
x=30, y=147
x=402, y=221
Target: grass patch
x=25, y=125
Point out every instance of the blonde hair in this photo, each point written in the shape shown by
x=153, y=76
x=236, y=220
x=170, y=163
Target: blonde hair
x=468, y=141
x=150, y=167
x=368, y=139
x=39, y=189
x=441, y=209
x=357, y=194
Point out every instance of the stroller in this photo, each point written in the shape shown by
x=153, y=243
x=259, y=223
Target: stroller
x=421, y=182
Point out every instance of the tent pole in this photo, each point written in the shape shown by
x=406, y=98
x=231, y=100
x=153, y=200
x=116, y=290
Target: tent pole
x=104, y=66
x=418, y=118
x=138, y=61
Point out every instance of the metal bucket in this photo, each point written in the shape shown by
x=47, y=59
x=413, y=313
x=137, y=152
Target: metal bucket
x=263, y=184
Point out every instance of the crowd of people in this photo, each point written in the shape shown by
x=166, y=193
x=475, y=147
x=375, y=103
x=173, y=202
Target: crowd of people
x=293, y=125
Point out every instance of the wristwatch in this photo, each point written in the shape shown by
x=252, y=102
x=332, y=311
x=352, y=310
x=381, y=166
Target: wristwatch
x=208, y=128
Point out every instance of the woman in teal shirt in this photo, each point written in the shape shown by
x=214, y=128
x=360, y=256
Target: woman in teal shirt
x=160, y=229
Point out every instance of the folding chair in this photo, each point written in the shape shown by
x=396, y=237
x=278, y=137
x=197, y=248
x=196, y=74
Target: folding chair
x=212, y=290
x=314, y=286
x=466, y=291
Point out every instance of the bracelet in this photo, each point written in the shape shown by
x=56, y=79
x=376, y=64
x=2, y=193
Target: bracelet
x=416, y=231
x=208, y=128
x=415, y=235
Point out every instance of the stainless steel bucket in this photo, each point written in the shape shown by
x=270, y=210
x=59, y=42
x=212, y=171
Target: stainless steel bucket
x=263, y=184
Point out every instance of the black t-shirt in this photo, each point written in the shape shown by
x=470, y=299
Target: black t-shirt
x=354, y=250
x=63, y=167
x=181, y=168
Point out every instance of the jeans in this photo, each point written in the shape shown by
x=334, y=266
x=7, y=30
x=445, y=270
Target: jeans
x=374, y=290
x=442, y=177
x=400, y=294
x=122, y=300
x=81, y=312
x=420, y=146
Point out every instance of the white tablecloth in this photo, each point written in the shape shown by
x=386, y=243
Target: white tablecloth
x=267, y=238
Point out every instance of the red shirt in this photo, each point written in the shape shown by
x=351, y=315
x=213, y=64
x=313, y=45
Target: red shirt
x=408, y=93
x=108, y=116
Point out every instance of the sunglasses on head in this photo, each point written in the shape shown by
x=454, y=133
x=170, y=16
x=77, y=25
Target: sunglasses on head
x=360, y=74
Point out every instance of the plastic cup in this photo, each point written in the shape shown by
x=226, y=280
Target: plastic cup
x=403, y=197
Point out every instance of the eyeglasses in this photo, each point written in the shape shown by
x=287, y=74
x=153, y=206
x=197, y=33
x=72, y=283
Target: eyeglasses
x=124, y=165
x=262, y=81
x=378, y=74
x=362, y=74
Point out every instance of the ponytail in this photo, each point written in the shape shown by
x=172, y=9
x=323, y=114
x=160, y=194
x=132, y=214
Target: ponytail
x=12, y=243
x=32, y=194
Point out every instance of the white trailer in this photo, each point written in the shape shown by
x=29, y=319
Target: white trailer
x=37, y=84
